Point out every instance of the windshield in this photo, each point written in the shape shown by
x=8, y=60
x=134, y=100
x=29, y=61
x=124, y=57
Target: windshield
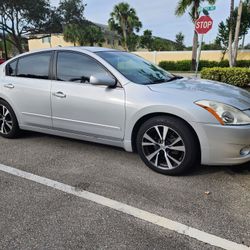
x=135, y=68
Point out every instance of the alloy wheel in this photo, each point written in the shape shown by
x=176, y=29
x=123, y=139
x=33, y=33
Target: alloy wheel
x=6, y=121
x=163, y=147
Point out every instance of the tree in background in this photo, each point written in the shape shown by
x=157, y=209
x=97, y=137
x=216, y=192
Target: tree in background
x=179, y=39
x=55, y=21
x=22, y=18
x=94, y=35
x=247, y=46
x=224, y=36
x=234, y=54
x=152, y=43
x=125, y=21
x=76, y=28
x=215, y=45
x=9, y=46
x=84, y=34
x=72, y=11
x=133, y=41
x=245, y=21
x=231, y=28
x=70, y=33
x=147, y=40
x=181, y=9
x=160, y=44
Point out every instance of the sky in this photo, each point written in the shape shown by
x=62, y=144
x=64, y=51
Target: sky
x=158, y=16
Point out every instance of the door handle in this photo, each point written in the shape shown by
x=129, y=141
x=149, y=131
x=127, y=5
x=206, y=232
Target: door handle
x=59, y=94
x=9, y=86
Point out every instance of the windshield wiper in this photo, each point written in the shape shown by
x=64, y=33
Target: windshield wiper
x=159, y=81
x=174, y=78
x=167, y=80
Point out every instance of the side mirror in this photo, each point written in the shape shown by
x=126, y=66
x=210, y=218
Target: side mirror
x=103, y=79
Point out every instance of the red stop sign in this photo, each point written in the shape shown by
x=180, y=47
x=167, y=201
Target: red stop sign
x=203, y=24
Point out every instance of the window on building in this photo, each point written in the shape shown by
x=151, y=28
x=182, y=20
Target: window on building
x=46, y=39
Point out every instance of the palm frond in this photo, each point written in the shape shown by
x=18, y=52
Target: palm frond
x=182, y=7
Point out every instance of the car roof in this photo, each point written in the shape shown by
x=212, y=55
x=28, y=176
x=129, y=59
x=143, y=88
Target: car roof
x=96, y=49
x=74, y=48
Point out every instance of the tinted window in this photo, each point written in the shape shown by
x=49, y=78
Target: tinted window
x=34, y=66
x=135, y=68
x=11, y=69
x=74, y=67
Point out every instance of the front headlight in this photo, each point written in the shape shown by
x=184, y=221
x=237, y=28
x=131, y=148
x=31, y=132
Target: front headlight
x=225, y=114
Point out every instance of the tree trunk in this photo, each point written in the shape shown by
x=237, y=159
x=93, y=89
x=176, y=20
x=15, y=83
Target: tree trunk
x=237, y=32
x=195, y=38
x=125, y=37
x=230, y=41
x=17, y=41
x=223, y=54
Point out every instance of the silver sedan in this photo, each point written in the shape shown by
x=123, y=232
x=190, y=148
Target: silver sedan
x=117, y=98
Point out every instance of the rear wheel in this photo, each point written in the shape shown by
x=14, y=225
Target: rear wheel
x=8, y=123
x=167, y=145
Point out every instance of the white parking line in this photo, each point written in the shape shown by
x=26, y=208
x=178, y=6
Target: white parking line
x=126, y=209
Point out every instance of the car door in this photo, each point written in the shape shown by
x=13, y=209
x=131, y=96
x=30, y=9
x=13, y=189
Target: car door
x=27, y=86
x=78, y=106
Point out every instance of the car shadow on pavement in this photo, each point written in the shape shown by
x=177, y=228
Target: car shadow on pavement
x=243, y=169
x=32, y=134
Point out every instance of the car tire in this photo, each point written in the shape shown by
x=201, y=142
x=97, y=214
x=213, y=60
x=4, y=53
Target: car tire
x=168, y=145
x=9, y=127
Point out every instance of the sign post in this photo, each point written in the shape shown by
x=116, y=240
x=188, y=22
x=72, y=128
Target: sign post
x=202, y=25
x=198, y=56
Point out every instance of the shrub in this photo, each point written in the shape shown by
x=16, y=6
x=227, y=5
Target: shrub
x=168, y=65
x=234, y=76
x=223, y=64
x=185, y=65
x=243, y=63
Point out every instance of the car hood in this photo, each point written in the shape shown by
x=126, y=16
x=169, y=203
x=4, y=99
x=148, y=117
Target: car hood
x=196, y=89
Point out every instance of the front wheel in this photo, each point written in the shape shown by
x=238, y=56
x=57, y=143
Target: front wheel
x=167, y=145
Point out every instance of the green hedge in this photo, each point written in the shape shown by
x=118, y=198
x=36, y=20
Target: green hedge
x=234, y=76
x=185, y=65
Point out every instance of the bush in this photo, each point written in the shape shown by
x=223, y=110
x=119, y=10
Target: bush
x=243, y=63
x=234, y=76
x=185, y=65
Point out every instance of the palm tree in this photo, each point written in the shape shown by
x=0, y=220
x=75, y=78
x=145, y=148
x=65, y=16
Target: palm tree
x=181, y=9
x=83, y=34
x=125, y=21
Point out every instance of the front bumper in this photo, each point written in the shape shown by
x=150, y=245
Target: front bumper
x=221, y=145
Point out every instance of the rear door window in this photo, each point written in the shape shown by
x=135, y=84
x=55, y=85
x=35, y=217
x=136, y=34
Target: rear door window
x=11, y=68
x=34, y=66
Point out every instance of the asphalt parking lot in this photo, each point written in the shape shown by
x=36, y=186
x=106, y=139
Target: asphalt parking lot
x=215, y=200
